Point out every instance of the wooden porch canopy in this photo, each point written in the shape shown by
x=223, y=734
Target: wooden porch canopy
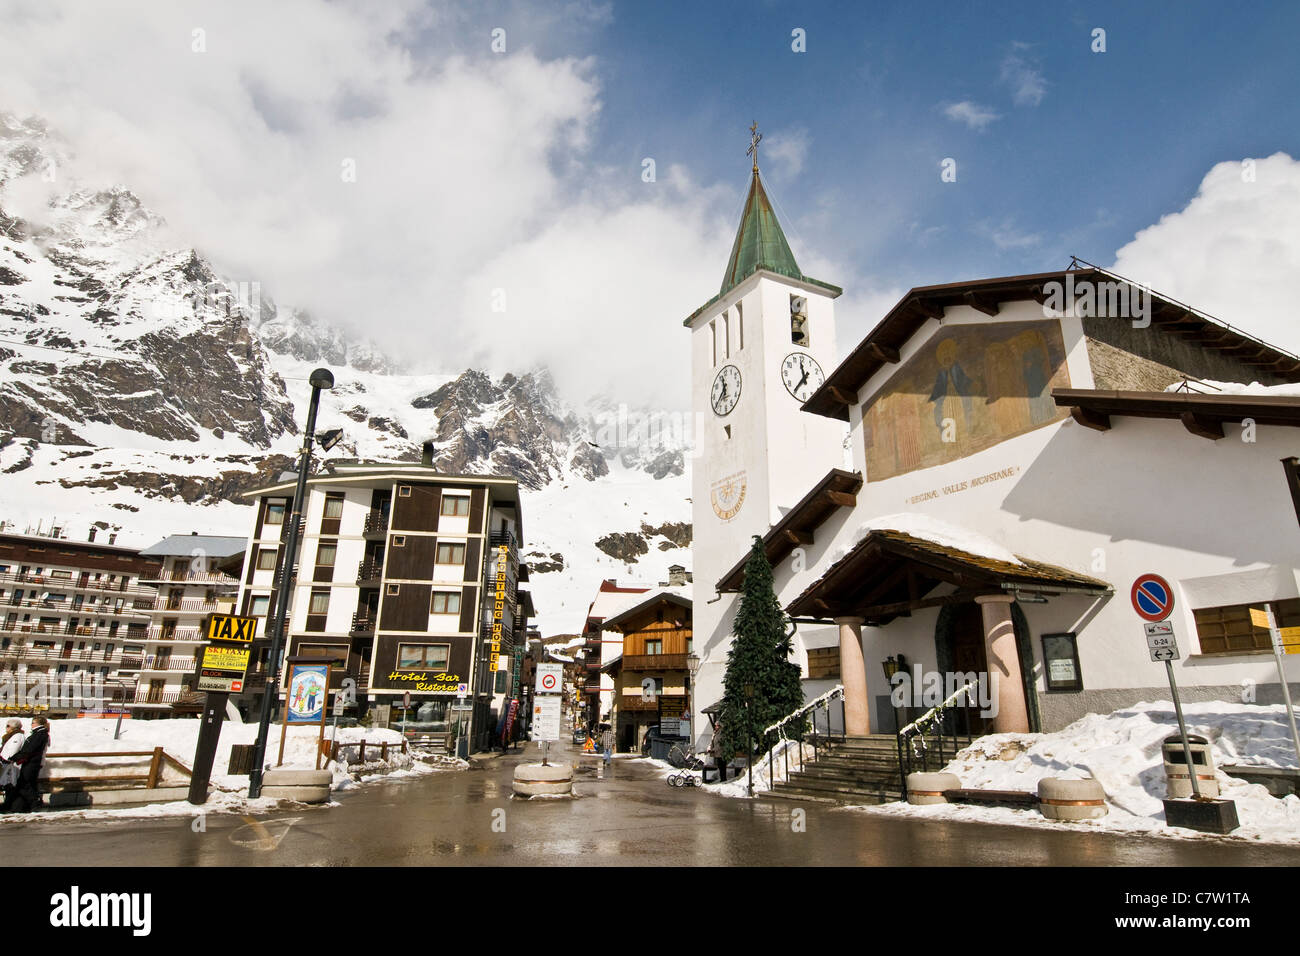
x=838, y=489
x=1202, y=415
x=881, y=346
x=889, y=573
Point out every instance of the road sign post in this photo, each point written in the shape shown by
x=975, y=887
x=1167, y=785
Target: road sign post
x=1270, y=621
x=222, y=670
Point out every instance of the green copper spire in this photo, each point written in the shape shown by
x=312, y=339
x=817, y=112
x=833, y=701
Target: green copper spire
x=760, y=243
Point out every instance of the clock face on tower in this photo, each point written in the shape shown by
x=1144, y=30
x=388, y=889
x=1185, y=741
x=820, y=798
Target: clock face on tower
x=802, y=375
x=726, y=390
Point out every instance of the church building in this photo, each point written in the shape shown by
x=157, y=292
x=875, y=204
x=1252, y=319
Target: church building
x=986, y=485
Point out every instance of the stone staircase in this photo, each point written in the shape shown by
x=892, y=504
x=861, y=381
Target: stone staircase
x=851, y=770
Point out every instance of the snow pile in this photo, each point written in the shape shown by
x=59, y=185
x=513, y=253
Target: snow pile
x=929, y=528
x=1122, y=750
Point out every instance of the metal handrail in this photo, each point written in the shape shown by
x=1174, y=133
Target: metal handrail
x=912, y=745
x=809, y=709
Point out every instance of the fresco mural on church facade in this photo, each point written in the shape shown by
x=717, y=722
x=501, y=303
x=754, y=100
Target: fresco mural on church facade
x=968, y=388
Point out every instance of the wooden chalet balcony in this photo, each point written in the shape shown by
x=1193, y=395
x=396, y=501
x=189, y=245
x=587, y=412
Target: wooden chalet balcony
x=654, y=662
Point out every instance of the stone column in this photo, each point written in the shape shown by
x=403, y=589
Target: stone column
x=1004, y=662
x=853, y=675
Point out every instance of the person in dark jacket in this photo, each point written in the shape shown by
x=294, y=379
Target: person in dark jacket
x=26, y=796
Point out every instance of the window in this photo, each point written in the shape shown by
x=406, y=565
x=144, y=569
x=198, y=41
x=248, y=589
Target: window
x=403, y=491
x=726, y=333
x=334, y=507
x=445, y=602
x=1226, y=630
x=326, y=553
x=399, y=541
x=266, y=559
x=799, y=320
x=261, y=604
x=740, y=326
x=713, y=343
x=274, y=513
x=455, y=506
x=394, y=590
x=451, y=554
x=320, y=603
x=655, y=646
x=430, y=656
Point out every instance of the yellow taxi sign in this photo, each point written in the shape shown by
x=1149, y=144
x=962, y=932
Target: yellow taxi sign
x=1290, y=636
x=227, y=627
x=1258, y=618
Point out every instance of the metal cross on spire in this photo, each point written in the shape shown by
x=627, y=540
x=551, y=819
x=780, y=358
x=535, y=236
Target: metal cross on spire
x=754, y=137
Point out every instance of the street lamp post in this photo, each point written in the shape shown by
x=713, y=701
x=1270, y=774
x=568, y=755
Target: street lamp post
x=692, y=669
x=321, y=379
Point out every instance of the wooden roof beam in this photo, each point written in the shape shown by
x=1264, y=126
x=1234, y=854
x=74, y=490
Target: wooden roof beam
x=1202, y=426
x=841, y=396
x=980, y=303
x=929, y=309
x=1090, y=418
x=842, y=499
x=798, y=537
x=884, y=353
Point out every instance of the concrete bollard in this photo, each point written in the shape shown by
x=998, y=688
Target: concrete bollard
x=302, y=786
x=533, y=779
x=1060, y=799
x=924, y=789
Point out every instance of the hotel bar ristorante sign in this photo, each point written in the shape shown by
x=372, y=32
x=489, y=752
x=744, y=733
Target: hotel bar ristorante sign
x=498, y=607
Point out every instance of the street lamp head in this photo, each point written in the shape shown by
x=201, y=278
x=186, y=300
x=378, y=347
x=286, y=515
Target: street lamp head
x=322, y=378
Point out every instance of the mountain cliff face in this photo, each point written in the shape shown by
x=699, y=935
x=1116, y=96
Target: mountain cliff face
x=142, y=389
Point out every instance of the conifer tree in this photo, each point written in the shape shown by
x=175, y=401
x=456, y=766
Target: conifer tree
x=759, y=660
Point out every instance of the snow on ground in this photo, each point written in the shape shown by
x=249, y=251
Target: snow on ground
x=1207, y=387
x=1122, y=750
x=179, y=736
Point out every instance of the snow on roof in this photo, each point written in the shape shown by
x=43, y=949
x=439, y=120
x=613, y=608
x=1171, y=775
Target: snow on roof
x=929, y=528
x=609, y=603
x=1288, y=390
x=218, y=546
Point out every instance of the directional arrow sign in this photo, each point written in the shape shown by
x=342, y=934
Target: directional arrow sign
x=1161, y=641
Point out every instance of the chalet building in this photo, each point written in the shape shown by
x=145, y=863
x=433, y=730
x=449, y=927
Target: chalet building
x=70, y=609
x=198, y=576
x=599, y=648
x=397, y=580
x=652, y=673
x=978, y=485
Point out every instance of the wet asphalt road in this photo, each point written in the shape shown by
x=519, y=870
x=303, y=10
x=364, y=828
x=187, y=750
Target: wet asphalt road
x=626, y=816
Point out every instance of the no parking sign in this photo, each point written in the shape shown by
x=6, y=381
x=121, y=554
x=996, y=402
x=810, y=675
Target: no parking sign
x=1153, y=598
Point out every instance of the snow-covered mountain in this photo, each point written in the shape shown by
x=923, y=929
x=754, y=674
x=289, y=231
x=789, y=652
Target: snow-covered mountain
x=141, y=391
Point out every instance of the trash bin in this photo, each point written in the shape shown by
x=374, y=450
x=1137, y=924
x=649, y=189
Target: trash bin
x=1177, y=782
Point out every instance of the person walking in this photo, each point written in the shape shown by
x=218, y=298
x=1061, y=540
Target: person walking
x=26, y=796
x=10, y=744
x=607, y=743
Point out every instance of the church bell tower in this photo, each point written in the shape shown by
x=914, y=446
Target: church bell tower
x=759, y=349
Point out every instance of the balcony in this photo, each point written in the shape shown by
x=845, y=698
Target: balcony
x=376, y=524
x=369, y=571
x=24, y=653
x=654, y=662
x=178, y=634
x=153, y=663
x=216, y=578
x=362, y=625
x=46, y=581
x=218, y=605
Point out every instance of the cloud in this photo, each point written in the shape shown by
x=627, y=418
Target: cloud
x=784, y=152
x=471, y=169
x=1006, y=235
x=1233, y=251
x=1023, y=76
x=972, y=114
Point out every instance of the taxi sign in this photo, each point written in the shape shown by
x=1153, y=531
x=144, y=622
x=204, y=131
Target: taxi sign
x=228, y=627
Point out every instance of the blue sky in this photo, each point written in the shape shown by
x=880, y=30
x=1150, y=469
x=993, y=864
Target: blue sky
x=476, y=177
x=1117, y=139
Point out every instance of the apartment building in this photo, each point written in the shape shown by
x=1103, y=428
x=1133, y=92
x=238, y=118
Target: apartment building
x=70, y=609
x=408, y=580
x=197, y=575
